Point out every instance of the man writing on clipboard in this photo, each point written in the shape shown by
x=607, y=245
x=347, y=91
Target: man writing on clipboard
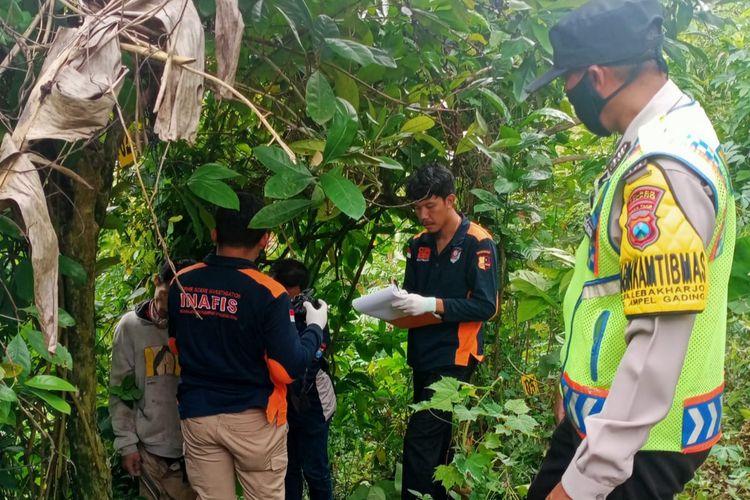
x=451, y=277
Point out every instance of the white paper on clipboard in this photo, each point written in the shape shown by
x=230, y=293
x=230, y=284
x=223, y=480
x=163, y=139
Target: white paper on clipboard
x=379, y=305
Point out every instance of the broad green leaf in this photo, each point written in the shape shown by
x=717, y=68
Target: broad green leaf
x=5, y=412
x=297, y=10
x=504, y=186
x=417, y=124
x=389, y=163
x=64, y=319
x=496, y=103
x=292, y=27
x=553, y=113
x=449, y=476
x=8, y=227
x=279, y=212
x=307, y=146
x=37, y=342
x=537, y=174
x=346, y=88
x=50, y=383
x=739, y=279
x=214, y=191
x=51, y=399
x=376, y=493
x=487, y=197
x=437, y=145
x=7, y=394
x=477, y=463
x=361, y=54
x=445, y=396
x=72, y=269
x=530, y=307
x=321, y=101
x=518, y=5
x=342, y=131
x=522, y=77
x=213, y=171
x=17, y=353
x=524, y=424
x=531, y=283
x=517, y=406
x=11, y=370
x=127, y=390
x=285, y=186
x=62, y=357
x=541, y=33
x=344, y=194
x=277, y=161
x=466, y=414
x=325, y=27
x=23, y=281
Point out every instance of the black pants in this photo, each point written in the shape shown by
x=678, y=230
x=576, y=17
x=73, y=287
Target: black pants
x=656, y=474
x=307, y=447
x=427, y=442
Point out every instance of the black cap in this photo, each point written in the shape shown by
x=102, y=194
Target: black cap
x=604, y=32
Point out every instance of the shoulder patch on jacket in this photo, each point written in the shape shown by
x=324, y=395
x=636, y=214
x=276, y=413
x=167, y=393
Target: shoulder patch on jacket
x=478, y=232
x=266, y=281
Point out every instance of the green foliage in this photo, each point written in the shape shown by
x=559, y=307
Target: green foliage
x=364, y=93
x=207, y=183
x=127, y=390
x=321, y=101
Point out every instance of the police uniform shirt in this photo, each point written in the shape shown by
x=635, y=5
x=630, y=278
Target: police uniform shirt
x=648, y=372
x=464, y=276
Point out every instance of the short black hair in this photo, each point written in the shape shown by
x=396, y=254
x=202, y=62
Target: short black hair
x=232, y=225
x=290, y=272
x=430, y=180
x=165, y=272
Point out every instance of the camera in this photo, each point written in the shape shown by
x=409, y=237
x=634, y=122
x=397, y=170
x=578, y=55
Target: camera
x=305, y=296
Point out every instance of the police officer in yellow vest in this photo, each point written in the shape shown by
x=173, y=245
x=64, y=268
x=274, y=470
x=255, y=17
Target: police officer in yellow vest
x=645, y=313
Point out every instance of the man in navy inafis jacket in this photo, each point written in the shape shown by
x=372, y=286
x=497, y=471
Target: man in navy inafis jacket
x=238, y=349
x=451, y=277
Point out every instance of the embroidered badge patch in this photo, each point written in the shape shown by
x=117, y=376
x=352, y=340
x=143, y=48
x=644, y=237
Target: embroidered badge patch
x=455, y=255
x=641, y=226
x=484, y=260
x=423, y=254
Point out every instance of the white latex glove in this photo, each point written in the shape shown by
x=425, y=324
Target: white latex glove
x=317, y=316
x=413, y=304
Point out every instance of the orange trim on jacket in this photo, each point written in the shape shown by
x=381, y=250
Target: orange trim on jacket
x=467, y=342
x=276, y=407
x=268, y=282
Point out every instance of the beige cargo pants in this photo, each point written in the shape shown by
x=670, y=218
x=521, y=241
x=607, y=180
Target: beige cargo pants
x=218, y=447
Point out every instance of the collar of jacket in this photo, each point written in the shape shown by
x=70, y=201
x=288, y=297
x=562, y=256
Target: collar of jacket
x=219, y=260
x=460, y=234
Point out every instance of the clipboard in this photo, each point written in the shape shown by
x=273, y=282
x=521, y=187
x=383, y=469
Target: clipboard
x=379, y=304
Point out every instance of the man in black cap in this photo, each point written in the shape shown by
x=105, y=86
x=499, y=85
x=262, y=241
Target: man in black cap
x=645, y=312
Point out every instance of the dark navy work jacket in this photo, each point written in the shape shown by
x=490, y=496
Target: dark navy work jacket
x=464, y=275
x=244, y=348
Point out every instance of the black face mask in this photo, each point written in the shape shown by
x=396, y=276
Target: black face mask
x=589, y=104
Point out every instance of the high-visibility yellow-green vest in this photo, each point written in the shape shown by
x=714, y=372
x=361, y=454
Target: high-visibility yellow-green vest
x=661, y=266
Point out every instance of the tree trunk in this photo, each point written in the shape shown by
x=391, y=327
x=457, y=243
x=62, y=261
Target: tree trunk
x=77, y=213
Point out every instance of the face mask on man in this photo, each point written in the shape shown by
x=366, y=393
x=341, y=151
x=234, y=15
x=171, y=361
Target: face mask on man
x=589, y=105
